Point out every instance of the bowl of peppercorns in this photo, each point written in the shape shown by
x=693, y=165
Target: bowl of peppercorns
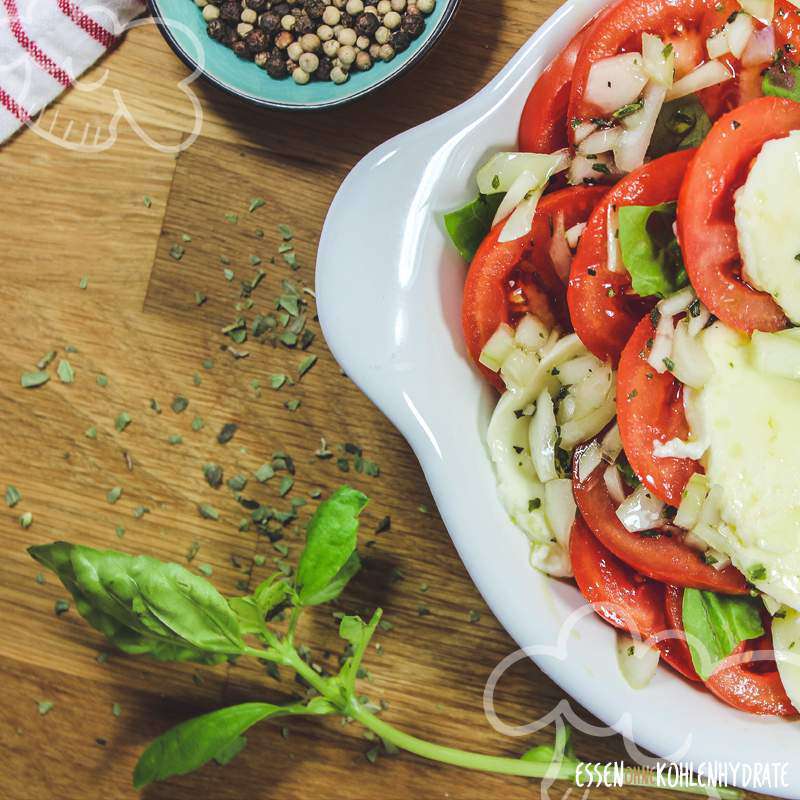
x=301, y=54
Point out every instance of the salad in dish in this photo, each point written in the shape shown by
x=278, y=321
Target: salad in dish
x=633, y=295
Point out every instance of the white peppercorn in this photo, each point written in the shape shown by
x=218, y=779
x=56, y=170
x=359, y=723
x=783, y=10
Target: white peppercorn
x=386, y=52
x=325, y=32
x=201, y=3
x=384, y=7
x=371, y=10
x=309, y=62
x=362, y=43
x=347, y=36
x=310, y=42
x=382, y=35
x=331, y=15
x=392, y=20
x=243, y=28
x=294, y=51
x=288, y=22
x=300, y=76
x=210, y=13
x=338, y=75
x=398, y=5
x=249, y=16
x=346, y=54
x=354, y=7
x=340, y=4
x=426, y=6
x=337, y=28
x=363, y=61
x=330, y=48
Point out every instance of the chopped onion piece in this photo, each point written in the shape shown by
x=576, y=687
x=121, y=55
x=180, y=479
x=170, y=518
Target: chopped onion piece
x=498, y=348
x=632, y=145
x=613, y=250
x=559, y=509
x=659, y=61
x=637, y=661
x=613, y=482
x=589, y=460
x=677, y=302
x=662, y=344
x=717, y=45
x=760, y=49
x=717, y=560
x=531, y=333
x=559, y=251
x=600, y=141
x=611, y=444
x=576, y=369
x=520, y=222
x=762, y=10
x=582, y=169
x=542, y=438
x=708, y=74
x=698, y=322
x=641, y=511
x=772, y=605
x=519, y=368
x=615, y=81
x=573, y=234
x=740, y=29
x=585, y=427
x=678, y=448
x=690, y=362
x=524, y=183
x=500, y=172
x=583, y=130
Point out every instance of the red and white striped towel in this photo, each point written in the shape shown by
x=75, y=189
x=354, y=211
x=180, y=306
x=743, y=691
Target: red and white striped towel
x=46, y=44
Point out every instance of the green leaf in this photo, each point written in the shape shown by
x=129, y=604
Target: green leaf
x=650, y=251
x=66, y=374
x=144, y=605
x=468, y=225
x=13, y=496
x=681, y=124
x=330, y=541
x=337, y=583
x=715, y=624
x=217, y=735
x=30, y=380
x=781, y=79
x=358, y=634
x=252, y=609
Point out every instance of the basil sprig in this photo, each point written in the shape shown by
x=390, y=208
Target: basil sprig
x=468, y=225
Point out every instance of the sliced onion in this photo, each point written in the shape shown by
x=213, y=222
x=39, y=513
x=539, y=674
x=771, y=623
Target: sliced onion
x=551, y=558
x=520, y=222
x=691, y=364
x=718, y=560
x=760, y=49
x=772, y=605
x=498, y=348
x=600, y=141
x=519, y=368
x=763, y=10
x=694, y=496
x=632, y=146
x=559, y=251
x=578, y=368
x=573, y=234
x=500, y=172
x=616, y=81
x=584, y=428
x=717, y=45
x=589, y=460
x=524, y=183
x=677, y=302
x=698, y=322
x=542, y=438
x=611, y=444
x=613, y=250
x=591, y=391
x=613, y=482
x=585, y=129
x=637, y=661
x=658, y=65
x=740, y=29
x=641, y=511
x=531, y=333
x=559, y=509
x=708, y=74
x=662, y=344
x=582, y=169
x=678, y=448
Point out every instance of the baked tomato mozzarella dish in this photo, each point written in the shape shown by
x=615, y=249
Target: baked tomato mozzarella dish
x=633, y=295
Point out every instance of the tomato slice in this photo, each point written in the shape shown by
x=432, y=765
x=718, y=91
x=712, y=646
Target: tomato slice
x=543, y=125
x=650, y=408
x=706, y=228
x=619, y=29
x=617, y=593
x=508, y=279
x=787, y=26
x=602, y=307
x=663, y=558
x=675, y=651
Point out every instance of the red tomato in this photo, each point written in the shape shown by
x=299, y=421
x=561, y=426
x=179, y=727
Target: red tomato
x=618, y=594
x=508, y=279
x=706, y=228
x=663, y=558
x=649, y=408
x=602, y=307
x=543, y=125
x=619, y=29
x=675, y=651
x=787, y=26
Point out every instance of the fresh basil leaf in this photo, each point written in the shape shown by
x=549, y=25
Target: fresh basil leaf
x=217, y=735
x=137, y=599
x=467, y=226
x=681, y=124
x=252, y=609
x=781, y=79
x=337, y=584
x=357, y=633
x=715, y=624
x=330, y=542
x=650, y=250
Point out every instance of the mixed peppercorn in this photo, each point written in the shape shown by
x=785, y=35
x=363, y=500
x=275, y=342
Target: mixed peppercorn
x=315, y=38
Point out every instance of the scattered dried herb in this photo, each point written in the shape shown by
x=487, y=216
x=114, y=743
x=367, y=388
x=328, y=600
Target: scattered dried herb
x=227, y=433
x=66, y=374
x=13, y=496
x=30, y=380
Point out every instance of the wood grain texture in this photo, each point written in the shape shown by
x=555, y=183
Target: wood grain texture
x=68, y=215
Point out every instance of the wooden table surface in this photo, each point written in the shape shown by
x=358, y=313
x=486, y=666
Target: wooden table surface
x=67, y=215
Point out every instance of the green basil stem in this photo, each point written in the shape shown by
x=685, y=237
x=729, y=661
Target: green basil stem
x=451, y=755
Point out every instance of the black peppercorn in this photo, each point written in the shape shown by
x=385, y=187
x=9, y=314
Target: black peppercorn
x=216, y=29
x=230, y=36
x=276, y=65
x=413, y=22
x=366, y=24
x=304, y=24
x=269, y=21
x=314, y=8
x=256, y=41
x=240, y=48
x=323, y=71
x=346, y=21
x=400, y=41
x=231, y=11
x=281, y=9
x=256, y=5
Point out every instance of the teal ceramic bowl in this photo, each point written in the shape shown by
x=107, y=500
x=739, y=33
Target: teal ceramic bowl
x=184, y=29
